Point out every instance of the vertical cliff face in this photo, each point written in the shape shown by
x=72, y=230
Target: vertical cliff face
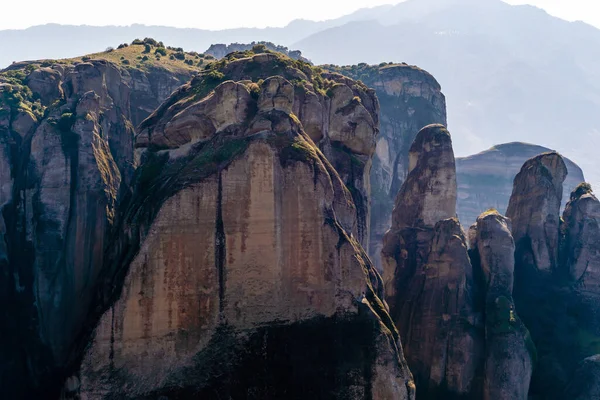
x=428, y=274
x=241, y=270
x=585, y=383
x=556, y=290
x=66, y=159
x=485, y=180
x=580, y=258
x=340, y=115
x=510, y=353
x=453, y=303
x=410, y=99
x=534, y=210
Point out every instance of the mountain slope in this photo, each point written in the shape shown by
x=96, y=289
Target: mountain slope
x=510, y=73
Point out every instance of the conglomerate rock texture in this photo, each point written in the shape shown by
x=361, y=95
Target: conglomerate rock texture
x=585, y=382
x=556, y=262
x=66, y=159
x=453, y=301
x=510, y=353
x=410, y=99
x=485, y=180
x=242, y=274
x=222, y=252
x=428, y=274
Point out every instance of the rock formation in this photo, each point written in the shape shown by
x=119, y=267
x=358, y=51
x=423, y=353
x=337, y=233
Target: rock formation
x=239, y=271
x=410, y=99
x=222, y=251
x=453, y=304
x=585, y=383
x=66, y=161
x=428, y=274
x=580, y=258
x=485, y=180
x=510, y=353
x=340, y=115
x=534, y=210
x=556, y=263
x=221, y=50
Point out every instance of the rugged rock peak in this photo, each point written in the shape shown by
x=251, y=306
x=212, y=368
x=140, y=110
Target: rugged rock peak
x=204, y=306
x=585, y=383
x=534, y=209
x=66, y=161
x=221, y=50
x=485, y=180
x=410, y=99
x=510, y=353
x=581, y=239
x=428, y=274
x=429, y=192
x=560, y=311
x=340, y=115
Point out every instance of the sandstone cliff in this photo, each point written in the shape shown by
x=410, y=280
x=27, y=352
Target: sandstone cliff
x=221, y=50
x=340, y=115
x=410, y=99
x=485, y=180
x=556, y=263
x=453, y=303
x=66, y=161
x=510, y=353
x=585, y=382
x=534, y=210
x=239, y=269
x=428, y=274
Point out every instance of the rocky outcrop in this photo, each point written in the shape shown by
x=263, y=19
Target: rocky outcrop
x=556, y=260
x=66, y=161
x=510, y=353
x=340, y=115
x=585, y=383
x=428, y=274
x=410, y=99
x=485, y=180
x=580, y=258
x=239, y=271
x=534, y=210
x=220, y=50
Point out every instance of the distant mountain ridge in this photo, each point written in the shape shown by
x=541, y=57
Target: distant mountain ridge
x=510, y=73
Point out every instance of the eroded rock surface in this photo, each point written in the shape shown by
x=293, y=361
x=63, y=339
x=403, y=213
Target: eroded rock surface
x=66, y=161
x=556, y=292
x=242, y=271
x=581, y=239
x=585, y=383
x=410, y=99
x=485, y=180
x=510, y=353
x=428, y=274
x=340, y=115
x=534, y=210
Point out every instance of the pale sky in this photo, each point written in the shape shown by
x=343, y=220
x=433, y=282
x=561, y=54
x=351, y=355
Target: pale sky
x=221, y=14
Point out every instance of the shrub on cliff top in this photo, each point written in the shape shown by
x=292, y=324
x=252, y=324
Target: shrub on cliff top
x=259, y=48
x=581, y=189
x=151, y=42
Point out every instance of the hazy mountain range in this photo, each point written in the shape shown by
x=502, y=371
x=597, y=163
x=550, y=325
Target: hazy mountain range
x=509, y=73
